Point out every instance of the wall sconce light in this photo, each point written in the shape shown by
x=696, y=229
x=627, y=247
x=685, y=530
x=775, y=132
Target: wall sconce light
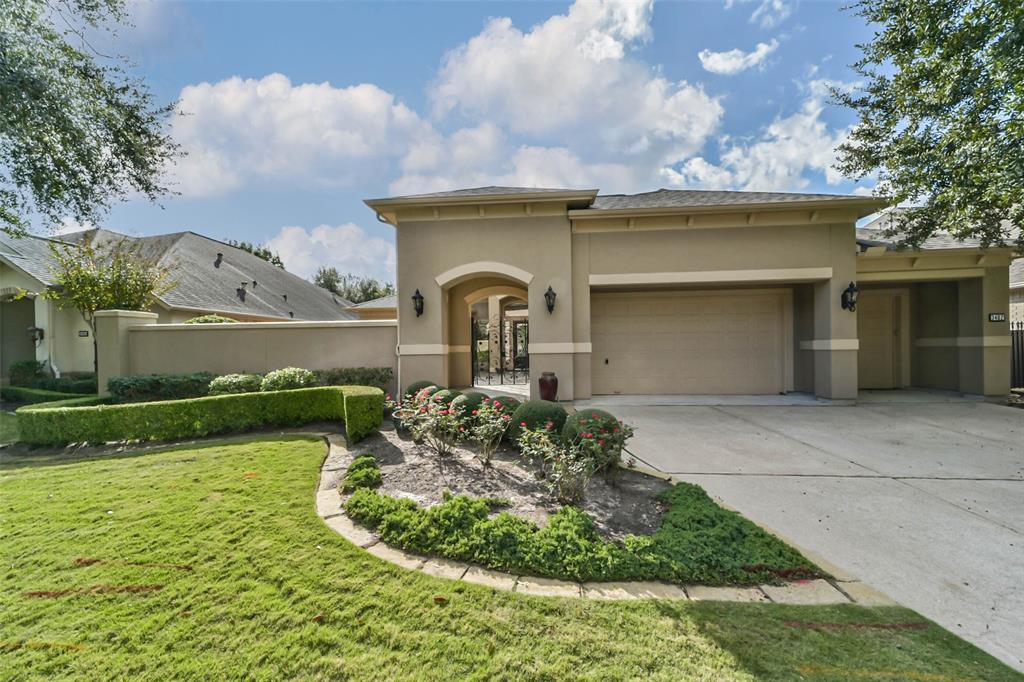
x=849, y=297
x=36, y=334
x=549, y=299
x=417, y=303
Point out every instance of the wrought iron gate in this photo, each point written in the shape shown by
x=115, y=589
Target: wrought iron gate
x=1017, y=350
x=511, y=338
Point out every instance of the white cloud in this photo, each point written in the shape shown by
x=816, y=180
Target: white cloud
x=732, y=62
x=236, y=131
x=571, y=80
x=786, y=149
x=347, y=247
x=768, y=13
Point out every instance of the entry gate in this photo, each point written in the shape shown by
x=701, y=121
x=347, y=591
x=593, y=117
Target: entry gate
x=511, y=364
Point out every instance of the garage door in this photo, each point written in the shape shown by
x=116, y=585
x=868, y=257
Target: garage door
x=689, y=343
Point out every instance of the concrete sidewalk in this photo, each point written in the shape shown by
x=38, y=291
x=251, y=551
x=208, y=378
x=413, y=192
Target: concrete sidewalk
x=921, y=500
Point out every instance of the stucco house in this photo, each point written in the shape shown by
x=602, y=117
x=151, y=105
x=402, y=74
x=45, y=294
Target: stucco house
x=211, y=277
x=696, y=292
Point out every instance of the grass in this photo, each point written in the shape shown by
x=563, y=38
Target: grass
x=697, y=542
x=209, y=562
x=8, y=427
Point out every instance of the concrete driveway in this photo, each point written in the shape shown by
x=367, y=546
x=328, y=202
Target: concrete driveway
x=923, y=501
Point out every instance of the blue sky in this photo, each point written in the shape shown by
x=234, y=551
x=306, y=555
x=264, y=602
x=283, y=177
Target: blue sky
x=292, y=113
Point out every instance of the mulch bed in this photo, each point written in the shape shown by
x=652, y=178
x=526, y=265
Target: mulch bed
x=628, y=505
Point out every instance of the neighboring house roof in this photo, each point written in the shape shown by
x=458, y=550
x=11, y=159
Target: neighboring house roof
x=1017, y=274
x=684, y=198
x=382, y=302
x=30, y=254
x=206, y=283
x=874, y=234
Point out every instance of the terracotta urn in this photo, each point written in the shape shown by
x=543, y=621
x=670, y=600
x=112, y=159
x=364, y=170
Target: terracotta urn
x=548, y=386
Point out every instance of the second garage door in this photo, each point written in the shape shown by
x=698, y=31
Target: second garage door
x=722, y=342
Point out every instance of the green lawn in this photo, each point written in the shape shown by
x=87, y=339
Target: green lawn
x=209, y=562
x=8, y=427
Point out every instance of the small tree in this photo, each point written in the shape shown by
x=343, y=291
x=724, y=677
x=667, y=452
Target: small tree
x=261, y=252
x=113, y=276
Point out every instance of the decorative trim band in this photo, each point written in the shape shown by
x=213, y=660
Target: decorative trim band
x=299, y=324
x=713, y=276
x=558, y=348
x=422, y=349
x=830, y=344
x=459, y=349
x=919, y=275
x=484, y=268
x=965, y=342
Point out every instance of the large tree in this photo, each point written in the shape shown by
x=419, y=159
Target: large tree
x=941, y=107
x=350, y=286
x=113, y=276
x=76, y=130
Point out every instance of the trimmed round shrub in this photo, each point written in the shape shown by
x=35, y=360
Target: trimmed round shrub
x=417, y=386
x=287, y=379
x=577, y=422
x=535, y=414
x=236, y=383
x=469, y=401
x=445, y=396
x=211, y=319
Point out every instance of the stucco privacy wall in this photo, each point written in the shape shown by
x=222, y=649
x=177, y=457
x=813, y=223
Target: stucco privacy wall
x=134, y=344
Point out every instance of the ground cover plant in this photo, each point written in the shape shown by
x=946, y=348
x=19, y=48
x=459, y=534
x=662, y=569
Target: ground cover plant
x=208, y=562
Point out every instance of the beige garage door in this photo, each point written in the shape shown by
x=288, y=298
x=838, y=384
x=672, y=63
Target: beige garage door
x=689, y=343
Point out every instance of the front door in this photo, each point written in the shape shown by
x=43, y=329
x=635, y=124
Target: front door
x=878, y=334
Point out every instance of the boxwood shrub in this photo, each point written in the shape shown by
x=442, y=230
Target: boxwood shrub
x=211, y=319
x=445, y=396
x=583, y=417
x=80, y=383
x=26, y=372
x=417, y=386
x=32, y=396
x=287, y=378
x=535, y=414
x=360, y=407
x=146, y=387
x=236, y=383
x=469, y=401
x=355, y=376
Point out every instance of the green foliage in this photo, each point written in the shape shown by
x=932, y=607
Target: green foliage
x=940, y=110
x=31, y=396
x=147, y=387
x=417, y=386
x=534, y=414
x=351, y=287
x=361, y=407
x=75, y=131
x=445, y=396
x=362, y=473
x=236, y=383
x=211, y=319
x=488, y=423
x=260, y=252
x=26, y=372
x=73, y=382
x=380, y=377
x=287, y=378
x=698, y=541
x=601, y=433
x=468, y=401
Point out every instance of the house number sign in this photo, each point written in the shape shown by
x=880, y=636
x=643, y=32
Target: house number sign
x=997, y=317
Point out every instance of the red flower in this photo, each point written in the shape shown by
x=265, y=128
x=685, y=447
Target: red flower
x=588, y=435
x=474, y=411
x=600, y=442
x=523, y=424
x=615, y=430
x=593, y=415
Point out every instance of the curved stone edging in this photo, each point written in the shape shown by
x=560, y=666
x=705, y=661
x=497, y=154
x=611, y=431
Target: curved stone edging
x=328, y=508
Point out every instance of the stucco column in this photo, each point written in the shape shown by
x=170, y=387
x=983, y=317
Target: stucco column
x=459, y=340
x=112, y=339
x=581, y=358
x=835, y=330
x=983, y=345
x=551, y=346
x=493, y=332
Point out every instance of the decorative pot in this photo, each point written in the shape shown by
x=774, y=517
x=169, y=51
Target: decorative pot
x=548, y=386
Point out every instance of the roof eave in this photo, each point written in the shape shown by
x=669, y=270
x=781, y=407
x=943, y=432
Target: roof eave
x=866, y=206
x=386, y=203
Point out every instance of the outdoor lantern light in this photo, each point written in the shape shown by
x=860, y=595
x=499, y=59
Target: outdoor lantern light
x=849, y=299
x=549, y=299
x=417, y=303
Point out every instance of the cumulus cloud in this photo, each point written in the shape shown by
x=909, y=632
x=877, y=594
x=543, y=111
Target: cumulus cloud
x=238, y=130
x=778, y=159
x=768, y=13
x=572, y=78
x=347, y=247
x=732, y=62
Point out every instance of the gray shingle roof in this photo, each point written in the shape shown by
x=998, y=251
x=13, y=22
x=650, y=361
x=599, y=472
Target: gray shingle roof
x=490, y=190
x=681, y=198
x=382, y=302
x=31, y=254
x=874, y=234
x=204, y=284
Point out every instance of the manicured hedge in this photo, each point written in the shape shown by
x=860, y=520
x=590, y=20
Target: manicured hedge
x=31, y=396
x=143, y=387
x=360, y=407
x=536, y=414
x=355, y=376
x=76, y=384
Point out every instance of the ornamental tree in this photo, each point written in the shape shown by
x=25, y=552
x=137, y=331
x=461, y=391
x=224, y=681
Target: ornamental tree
x=113, y=276
x=941, y=113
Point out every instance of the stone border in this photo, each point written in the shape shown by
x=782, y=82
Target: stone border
x=841, y=590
